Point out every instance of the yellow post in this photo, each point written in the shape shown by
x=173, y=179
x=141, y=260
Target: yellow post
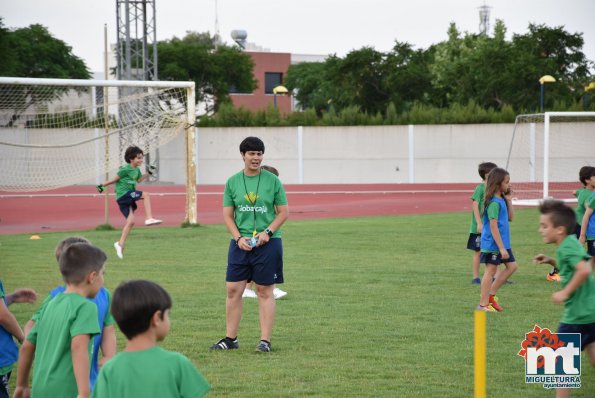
x=480, y=354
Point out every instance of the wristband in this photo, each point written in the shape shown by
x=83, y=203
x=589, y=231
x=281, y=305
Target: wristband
x=269, y=232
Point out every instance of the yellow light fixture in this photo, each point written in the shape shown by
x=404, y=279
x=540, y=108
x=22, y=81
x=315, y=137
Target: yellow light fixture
x=280, y=90
x=546, y=79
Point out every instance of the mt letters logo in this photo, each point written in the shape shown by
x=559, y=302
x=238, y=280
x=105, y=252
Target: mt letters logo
x=552, y=359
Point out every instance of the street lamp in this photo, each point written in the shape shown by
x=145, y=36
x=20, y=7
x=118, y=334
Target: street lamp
x=281, y=90
x=542, y=80
x=588, y=87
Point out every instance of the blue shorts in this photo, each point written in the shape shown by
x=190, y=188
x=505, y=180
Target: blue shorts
x=587, y=332
x=496, y=258
x=474, y=242
x=128, y=201
x=263, y=265
x=591, y=247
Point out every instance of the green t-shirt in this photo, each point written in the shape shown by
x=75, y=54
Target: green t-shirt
x=154, y=372
x=579, y=308
x=254, y=199
x=66, y=316
x=128, y=179
x=582, y=195
x=478, y=196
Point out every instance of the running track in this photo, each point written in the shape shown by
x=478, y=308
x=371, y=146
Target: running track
x=81, y=208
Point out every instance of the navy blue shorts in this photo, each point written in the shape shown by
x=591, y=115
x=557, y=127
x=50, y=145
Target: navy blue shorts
x=591, y=247
x=587, y=332
x=128, y=201
x=263, y=265
x=496, y=258
x=474, y=242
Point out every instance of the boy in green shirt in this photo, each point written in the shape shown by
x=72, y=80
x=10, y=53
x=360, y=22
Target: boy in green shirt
x=61, y=340
x=474, y=241
x=556, y=225
x=141, y=309
x=127, y=195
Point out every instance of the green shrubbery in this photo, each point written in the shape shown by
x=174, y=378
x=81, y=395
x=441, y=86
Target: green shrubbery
x=470, y=113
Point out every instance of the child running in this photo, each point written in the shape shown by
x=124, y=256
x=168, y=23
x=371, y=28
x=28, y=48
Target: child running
x=495, y=238
x=141, y=309
x=474, y=241
x=127, y=195
x=556, y=225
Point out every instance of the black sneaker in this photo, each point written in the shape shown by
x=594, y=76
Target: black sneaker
x=226, y=344
x=263, y=346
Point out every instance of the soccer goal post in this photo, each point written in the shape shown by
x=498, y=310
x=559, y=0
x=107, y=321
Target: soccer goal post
x=546, y=153
x=61, y=132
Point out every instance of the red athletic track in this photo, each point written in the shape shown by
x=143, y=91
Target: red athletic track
x=81, y=208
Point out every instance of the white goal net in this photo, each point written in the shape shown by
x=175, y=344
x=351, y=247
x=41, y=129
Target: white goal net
x=546, y=153
x=56, y=133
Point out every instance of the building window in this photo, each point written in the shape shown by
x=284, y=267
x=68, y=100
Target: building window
x=272, y=80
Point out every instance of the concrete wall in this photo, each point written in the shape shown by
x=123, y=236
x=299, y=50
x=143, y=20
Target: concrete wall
x=331, y=155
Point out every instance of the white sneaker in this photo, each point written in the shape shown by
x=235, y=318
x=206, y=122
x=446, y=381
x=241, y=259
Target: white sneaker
x=249, y=293
x=152, y=221
x=118, y=250
x=278, y=293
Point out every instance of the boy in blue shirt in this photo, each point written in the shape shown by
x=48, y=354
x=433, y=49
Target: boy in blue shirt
x=9, y=330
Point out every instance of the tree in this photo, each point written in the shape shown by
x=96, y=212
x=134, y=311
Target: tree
x=215, y=69
x=34, y=52
x=39, y=54
x=308, y=82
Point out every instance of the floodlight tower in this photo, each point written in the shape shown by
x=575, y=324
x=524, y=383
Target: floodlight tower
x=137, y=40
x=484, y=19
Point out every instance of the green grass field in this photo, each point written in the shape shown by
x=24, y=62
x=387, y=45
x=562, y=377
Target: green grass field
x=377, y=307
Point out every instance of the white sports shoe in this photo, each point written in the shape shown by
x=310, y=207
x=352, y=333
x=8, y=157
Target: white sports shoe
x=152, y=221
x=118, y=250
x=249, y=293
x=278, y=293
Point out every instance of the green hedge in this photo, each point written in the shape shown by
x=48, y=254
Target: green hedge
x=470, y=113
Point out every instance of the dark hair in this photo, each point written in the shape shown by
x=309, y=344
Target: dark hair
x=132, y=152
x=80, y=259
x=270, y=169
x=67, y=242
x=585, y=173
x=484, y=168
x=134, y=304
x=251, y=144
x=560, y=214
x=493, y=182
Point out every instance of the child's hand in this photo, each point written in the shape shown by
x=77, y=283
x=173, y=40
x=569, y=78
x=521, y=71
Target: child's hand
x=504, y=254
x=582, y=239
x=508, y=194
x=24, y=295
x=559, y=297
x=479, y=228
x=542, y=259
x=21, y=392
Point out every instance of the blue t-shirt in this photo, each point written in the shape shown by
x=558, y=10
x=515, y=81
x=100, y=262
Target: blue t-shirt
x=497, y=210
x=591, y=225
x=9, y=352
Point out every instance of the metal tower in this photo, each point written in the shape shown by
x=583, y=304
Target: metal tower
x=484, y=19
x=137, y=40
